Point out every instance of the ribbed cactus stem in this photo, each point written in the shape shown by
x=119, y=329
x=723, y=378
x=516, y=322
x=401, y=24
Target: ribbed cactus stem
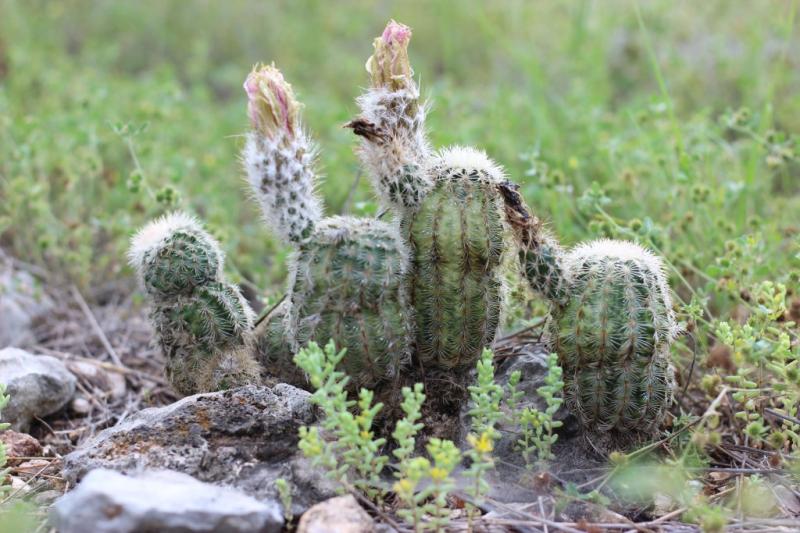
x=348, y=285
x=202, y=322
x=456, y=239
x=279, y=157
x=394, y=147
x=613, y=334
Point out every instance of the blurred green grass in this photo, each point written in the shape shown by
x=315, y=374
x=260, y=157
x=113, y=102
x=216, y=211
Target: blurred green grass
x=663, y=113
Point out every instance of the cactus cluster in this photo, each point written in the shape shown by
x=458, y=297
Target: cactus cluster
x=417, y=296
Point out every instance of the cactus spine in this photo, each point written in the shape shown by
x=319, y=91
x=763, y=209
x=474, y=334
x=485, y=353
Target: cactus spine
x=201, y=320
x=448, y=207
x=346, y=276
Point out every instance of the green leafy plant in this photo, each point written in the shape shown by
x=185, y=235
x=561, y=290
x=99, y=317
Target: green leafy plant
x=353, y=456
x=486, y=396
x=285, y=495
x=537, y=428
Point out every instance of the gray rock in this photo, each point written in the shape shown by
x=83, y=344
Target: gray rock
x=164, y=501
x=342, y=514
x=39, y=385
x=21, y=300
x=245, y=437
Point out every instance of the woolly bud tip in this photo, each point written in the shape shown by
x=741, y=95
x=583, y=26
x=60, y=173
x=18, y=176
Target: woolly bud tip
x=389, y=66
x=271, y=104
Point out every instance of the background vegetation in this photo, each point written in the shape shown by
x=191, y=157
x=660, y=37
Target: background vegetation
x=112, y=112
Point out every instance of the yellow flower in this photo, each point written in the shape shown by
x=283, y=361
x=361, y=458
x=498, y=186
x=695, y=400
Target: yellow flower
x=438, y=474
x=404, y=487
x=481, y=445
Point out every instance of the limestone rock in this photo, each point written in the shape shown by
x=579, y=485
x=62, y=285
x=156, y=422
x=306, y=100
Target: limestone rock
x=337, y=515
x=39, y=385
x=21, y=299
x=245, y=437
x=164, y=501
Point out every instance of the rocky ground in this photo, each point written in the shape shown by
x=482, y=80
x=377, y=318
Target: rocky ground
x=100, y=442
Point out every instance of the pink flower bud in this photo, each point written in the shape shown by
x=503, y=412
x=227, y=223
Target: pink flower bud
x=396, y=33
x=389, y=66
x=271, y=104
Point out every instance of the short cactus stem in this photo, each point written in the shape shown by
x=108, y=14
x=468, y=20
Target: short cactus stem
x=202, y=322
x=173, y=254
x=279, y=157
x=394, y=147
x=542, y=265
x=613, y=335
x=540, y=254
x=348, y=285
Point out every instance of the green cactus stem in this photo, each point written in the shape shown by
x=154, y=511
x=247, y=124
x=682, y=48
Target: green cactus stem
x=201, y=320
x=613, y=335
x=456, y=239
x=449, y=207
x=348, y=285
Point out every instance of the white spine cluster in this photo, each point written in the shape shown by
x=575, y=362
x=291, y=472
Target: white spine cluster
x=281, y=174
x=469, y=159
x=395, y=149
x=621, y=254
x=158, y=232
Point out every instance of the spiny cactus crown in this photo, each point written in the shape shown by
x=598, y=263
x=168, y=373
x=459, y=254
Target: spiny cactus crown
x=627, y=263
x=278, y=156
x=173, y=254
